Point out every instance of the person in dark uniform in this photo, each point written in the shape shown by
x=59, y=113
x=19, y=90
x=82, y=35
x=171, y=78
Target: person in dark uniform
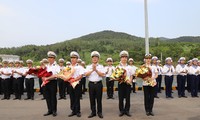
x=149, y=89
x=109, y=84
x=83, y=79
x=21, y=65
x=50, y=88
x=95, y=73
x=79, y=61
x=124, y=89
x=194, y=71
x=43, y=64
x=11, y=66
x=61, y=83
x=181, y=70
x=131, y=63
x=68, y=64
x=5, y=76
x=199, y=77
x=168, y=70
x=29, y=81
x=189, y=63
x=1, y=90
x=154, y=63
x=17, y=73
x=75, y=91
x=159, y=78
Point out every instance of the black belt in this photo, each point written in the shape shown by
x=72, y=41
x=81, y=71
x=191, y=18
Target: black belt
x=168, y=75
x=29, y=78
x=182, y=75
x=6, y=79
x=96, y=82
x=194, y=75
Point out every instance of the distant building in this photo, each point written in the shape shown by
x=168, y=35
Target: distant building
x=9, y=57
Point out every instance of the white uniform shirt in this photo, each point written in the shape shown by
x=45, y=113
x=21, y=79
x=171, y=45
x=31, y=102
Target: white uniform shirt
x=6, y=70
x=187, y=68
x=193, y=70
x=54, y=68
x=18, y=69
x=168, y=70
x=79, y=70
x=159, y=69
x=181, y=68
x=154, y=72
x=84, y=71
x=61, y=67
x=109, y=70
x=134, y=68
x=28, y=76
x=128, y=68
x=94, y=77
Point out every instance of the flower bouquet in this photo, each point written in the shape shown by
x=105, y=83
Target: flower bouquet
x=119, y=74
x=40, y=72
x=146, y=74
x=67, y=73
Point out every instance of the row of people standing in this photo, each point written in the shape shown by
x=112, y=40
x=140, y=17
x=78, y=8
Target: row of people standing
x=12, y=76
x=95, y=73
x=15, y=80
x=186, y=73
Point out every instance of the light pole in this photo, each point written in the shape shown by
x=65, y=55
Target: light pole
x=146, y=28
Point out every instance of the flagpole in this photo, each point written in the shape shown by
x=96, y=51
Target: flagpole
x=146, y=28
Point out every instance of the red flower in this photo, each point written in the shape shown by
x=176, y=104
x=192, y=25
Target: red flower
x=40, y=72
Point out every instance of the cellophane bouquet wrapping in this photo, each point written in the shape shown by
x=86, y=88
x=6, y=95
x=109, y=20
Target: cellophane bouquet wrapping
x=120, y=75
x=146, y=74
x=68, y=72
x=40, y=72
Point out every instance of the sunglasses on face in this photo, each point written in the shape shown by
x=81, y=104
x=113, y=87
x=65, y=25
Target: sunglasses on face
x=73, y=57
x=50, y=57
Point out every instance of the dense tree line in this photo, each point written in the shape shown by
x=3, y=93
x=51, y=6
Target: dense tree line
x=109, y=44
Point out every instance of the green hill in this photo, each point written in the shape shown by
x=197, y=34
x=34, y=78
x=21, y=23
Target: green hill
x=109, y=44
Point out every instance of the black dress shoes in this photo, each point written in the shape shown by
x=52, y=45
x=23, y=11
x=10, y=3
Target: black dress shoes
x=72, y=114
x=171, y=97
x=147, y=113
x=26, y=98
x=15, y=98
x=156, y=97
x=128, y=114
x=78, y=114
x=91, y=115
x=3, y=98
x=100, y=115
x=54, y=114
x=151, y=113
x=48, y=113
x=121, y=114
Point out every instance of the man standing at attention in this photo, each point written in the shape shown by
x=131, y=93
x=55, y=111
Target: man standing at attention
x=95, y=73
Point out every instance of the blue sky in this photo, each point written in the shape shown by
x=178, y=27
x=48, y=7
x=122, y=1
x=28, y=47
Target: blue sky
x=42, y=22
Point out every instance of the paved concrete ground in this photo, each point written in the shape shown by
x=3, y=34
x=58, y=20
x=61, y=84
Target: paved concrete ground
x=164, y=109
